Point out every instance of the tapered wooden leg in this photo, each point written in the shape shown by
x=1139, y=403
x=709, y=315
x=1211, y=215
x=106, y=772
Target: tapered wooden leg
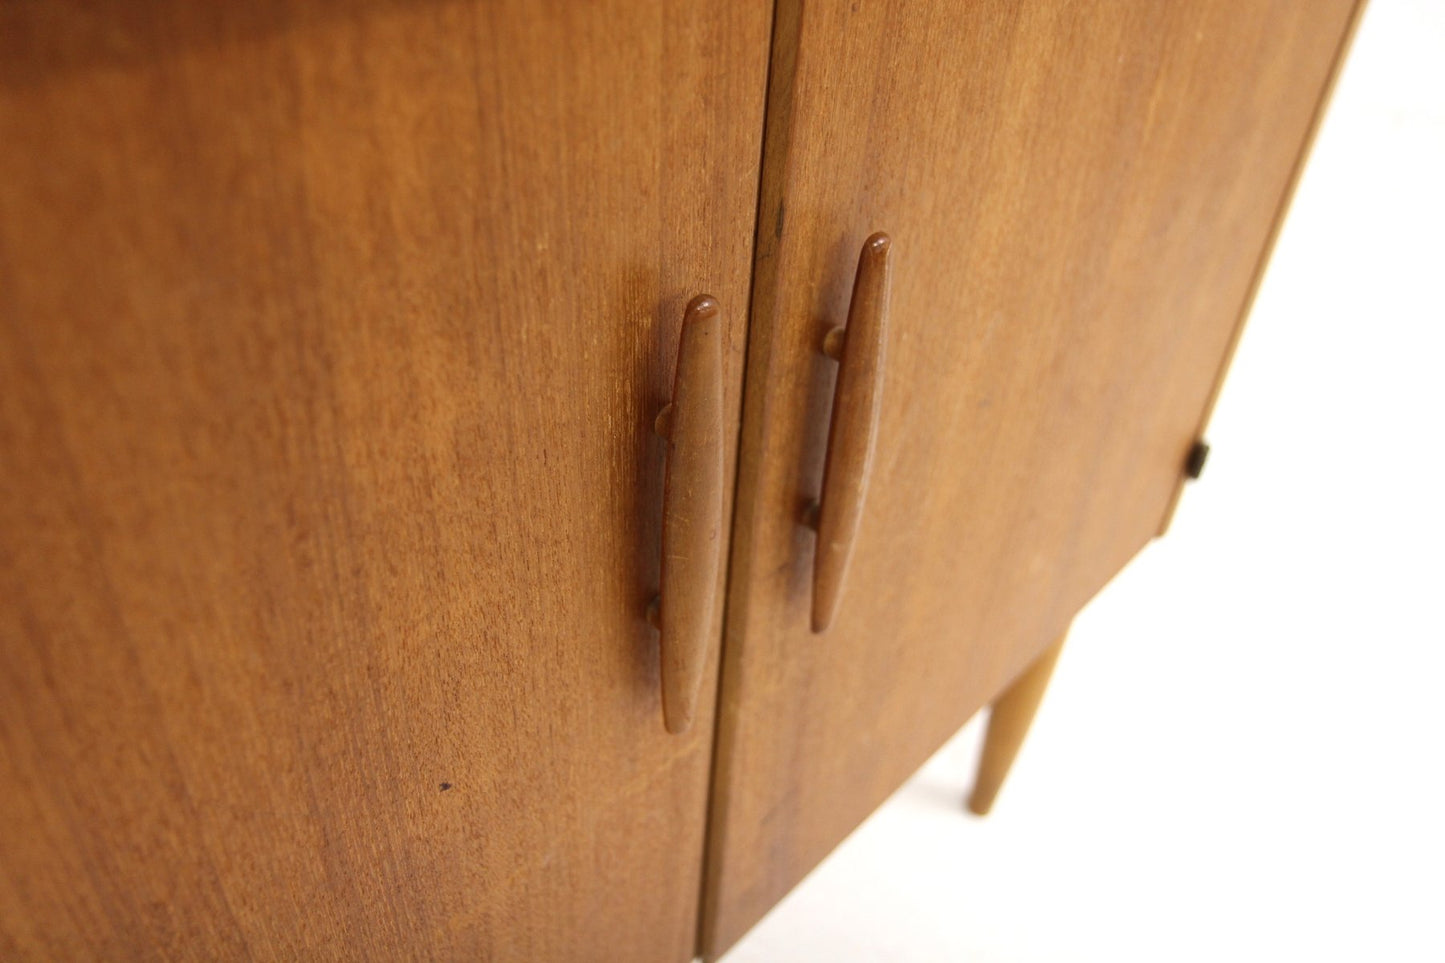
x=1008, y=723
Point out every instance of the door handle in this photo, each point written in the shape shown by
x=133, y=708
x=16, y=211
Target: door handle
x=692, y=512
x=859, y=350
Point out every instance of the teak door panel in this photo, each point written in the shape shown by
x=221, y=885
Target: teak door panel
x=331, y=338
x=1079, y=196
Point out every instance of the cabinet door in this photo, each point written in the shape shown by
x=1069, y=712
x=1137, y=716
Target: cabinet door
x=1079, y=197
x=331, y=339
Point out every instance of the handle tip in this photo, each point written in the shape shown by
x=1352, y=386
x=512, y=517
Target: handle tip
x=824, y=608
x=700, y=308
x=878, y=243
x=676, y=721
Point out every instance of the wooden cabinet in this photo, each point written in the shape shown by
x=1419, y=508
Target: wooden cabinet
x=331, y=342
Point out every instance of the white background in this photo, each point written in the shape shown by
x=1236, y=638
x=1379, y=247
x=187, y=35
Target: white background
x=1240, y=756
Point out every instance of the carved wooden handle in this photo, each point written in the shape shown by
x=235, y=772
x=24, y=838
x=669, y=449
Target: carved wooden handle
x=859, y=349
x=692, y=513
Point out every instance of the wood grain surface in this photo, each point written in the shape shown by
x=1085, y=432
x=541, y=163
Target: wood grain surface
x=331, y=336
x=1079, y=195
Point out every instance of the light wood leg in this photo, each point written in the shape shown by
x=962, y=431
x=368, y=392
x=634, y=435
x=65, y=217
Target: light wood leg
x=1008, y=723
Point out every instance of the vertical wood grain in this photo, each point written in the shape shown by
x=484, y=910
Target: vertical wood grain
x=330, y=340
x=1084, y=192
